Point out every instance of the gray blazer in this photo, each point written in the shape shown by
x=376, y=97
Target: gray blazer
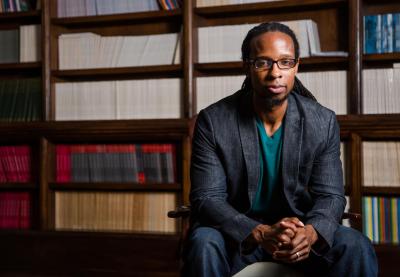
x=225, y=166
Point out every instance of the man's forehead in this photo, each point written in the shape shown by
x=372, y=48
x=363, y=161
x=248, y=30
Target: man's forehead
x=277, y=39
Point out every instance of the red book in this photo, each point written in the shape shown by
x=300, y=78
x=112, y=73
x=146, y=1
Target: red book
x=63, y=163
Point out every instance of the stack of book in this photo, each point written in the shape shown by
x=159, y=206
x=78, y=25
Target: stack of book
x=329, y=87
x=381, y=219
x=18, y=5
x=382, y=33
x=20, y=100
x=381, y=164
x=210, y=3
x=104, y=7
x=15, y=210
x=15, y=164
x=135, y=163
x=110, y=100
x=211, y=89
x=223, y=43
x=89, y=50
x=381, y=90
x=20, y=45
x=115, y=211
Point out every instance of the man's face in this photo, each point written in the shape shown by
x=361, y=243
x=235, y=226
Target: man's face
x=272, y=85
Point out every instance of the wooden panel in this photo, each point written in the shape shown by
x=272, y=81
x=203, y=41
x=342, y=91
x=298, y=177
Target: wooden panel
x=17, y=186
x=20, y=18
x=380, y=6
x=388, y=260
x=118, y=73
x=147, y=128
x=88, y=254
x=382, y=191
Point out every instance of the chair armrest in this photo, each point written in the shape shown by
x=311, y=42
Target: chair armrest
x=351, y=216
x=184, y=211
x=180, y=212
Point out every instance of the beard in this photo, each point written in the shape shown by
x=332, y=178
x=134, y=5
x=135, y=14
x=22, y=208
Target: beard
x=268, y=103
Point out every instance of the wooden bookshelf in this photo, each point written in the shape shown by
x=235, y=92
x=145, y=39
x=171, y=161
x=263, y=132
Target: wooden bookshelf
x=77, y=253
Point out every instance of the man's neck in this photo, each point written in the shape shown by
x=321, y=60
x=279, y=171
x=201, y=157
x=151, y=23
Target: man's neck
x=271, y=117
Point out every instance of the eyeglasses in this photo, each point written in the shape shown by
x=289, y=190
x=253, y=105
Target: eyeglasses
x=263, y=64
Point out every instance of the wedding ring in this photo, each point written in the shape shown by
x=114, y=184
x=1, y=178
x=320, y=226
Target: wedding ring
x=298, y=255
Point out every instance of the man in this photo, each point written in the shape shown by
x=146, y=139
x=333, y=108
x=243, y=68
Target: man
x=267, y=182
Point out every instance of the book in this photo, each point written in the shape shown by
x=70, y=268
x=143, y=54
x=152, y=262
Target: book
x=115, y=211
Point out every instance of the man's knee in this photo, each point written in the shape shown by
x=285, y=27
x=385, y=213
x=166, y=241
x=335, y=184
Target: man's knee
x=206, y=241
x=353, y=241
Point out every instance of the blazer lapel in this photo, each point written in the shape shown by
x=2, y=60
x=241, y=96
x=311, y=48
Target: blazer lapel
x=292, y=142
x=249, y=142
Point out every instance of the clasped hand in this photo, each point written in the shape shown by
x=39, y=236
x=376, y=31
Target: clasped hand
x=288, y=241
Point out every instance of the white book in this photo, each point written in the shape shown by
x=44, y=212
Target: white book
x=299, y=27
x=149, y=99
x=89, y=50
x=30, y=43
x=211, y=89
x=384, y=81
x=160, y=49
x=328, y=87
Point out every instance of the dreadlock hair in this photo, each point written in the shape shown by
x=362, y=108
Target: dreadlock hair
x=273, y=27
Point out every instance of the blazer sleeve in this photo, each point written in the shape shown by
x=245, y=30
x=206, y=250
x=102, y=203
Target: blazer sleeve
x=209, y=191
x=326, y=186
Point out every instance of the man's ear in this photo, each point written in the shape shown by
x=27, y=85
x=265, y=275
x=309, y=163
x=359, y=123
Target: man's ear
x=246, y=69
x=296, y=68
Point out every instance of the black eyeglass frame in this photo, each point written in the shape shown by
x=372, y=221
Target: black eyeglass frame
x=272, y=62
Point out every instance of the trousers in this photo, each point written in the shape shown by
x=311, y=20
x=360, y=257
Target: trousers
x=209, y=253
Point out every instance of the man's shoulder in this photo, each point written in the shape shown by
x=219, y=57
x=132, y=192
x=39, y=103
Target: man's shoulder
x=311, y=108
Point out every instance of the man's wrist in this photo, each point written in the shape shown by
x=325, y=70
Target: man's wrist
x=311, y=234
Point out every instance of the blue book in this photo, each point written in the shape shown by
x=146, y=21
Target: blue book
x=396, y=32
x=371, y=26
x=387, y=33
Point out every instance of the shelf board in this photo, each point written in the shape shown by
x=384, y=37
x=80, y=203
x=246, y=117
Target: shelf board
x=368, y=123
x=20, y=68
x=267, y=7
x=96, y=129
x=236, y=67
x=381, y=191
x=381, y=60
x=219, y=68
x=152, y=16
x=119, y=73
x=109, y=186
x=21, y=17
x=17, y=186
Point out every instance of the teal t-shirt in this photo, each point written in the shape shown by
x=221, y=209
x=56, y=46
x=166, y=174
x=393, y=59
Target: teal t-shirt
x=270, y=177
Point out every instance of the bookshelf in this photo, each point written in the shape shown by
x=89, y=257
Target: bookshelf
x=340, y=24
